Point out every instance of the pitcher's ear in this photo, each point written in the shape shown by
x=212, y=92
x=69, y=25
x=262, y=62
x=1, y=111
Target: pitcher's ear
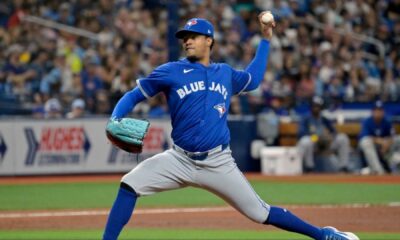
x=210, y=42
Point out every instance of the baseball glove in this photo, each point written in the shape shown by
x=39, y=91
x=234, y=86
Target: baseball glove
x=127, y=133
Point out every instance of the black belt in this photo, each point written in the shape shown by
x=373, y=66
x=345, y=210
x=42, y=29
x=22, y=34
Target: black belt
x=200, y=156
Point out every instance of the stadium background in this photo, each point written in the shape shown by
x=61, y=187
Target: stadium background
x=345, y=51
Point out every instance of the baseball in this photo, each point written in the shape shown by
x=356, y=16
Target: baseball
x=267, y=18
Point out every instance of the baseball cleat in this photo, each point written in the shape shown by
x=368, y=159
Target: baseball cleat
x=331, y=233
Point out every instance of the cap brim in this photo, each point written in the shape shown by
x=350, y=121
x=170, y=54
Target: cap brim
x=181, y=33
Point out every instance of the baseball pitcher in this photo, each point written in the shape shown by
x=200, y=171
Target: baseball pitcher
x=198, y=93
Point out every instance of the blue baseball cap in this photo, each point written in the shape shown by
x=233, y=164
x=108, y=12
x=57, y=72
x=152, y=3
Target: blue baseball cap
x=196, y=25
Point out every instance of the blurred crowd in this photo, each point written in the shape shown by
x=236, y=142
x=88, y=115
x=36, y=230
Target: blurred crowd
x=317, y=49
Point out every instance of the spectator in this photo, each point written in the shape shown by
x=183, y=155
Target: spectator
x=236, y=108
x=15, y=74
x=38, y=111
x=133, y=40
x=102, y=103
x=91, y=83
x=39, y=68
x=59, y=78
x=77, y=109
x=64, y=15
x=156, y=107
x=53, y=109
x=277, y=106
x=378, y=142
x=124, y=81
x=318, y=137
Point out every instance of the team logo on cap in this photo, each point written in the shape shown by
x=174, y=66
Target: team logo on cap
x=191, y=22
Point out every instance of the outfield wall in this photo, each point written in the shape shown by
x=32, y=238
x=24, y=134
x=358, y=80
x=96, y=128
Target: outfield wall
x=70, y=146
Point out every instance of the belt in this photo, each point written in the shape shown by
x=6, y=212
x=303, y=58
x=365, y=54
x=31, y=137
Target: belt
x=200, y=156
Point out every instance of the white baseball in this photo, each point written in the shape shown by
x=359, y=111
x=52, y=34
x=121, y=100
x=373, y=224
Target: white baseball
x=267, y=18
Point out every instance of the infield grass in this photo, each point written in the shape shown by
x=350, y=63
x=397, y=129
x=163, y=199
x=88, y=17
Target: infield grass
x=101, y=195
x=168, y=234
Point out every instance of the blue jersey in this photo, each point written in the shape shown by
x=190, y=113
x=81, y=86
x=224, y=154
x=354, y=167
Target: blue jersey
x=198, y=97
x=373, y=129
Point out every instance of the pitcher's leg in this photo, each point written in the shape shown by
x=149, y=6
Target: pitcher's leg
x=120, y=212
x=162, y=172
x=241, y=195
x=229, y=184
x=284, y=219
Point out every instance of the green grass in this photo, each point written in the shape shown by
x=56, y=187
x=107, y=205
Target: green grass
x=317, y=193
x=101, y=195
x=57, y=196
x=164, y=234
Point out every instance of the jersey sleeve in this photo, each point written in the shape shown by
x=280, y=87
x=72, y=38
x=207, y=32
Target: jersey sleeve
x=155, y=82
x=240, y=81
x=253, y=75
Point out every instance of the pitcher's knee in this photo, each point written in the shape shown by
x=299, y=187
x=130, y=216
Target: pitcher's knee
x=258, y=215
x=129, y=188
x=130, y=182
x=126, y=177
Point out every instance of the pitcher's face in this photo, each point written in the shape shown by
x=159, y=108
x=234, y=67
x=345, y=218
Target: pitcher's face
x=196, y=46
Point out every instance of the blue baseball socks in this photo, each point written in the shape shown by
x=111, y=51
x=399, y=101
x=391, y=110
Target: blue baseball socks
x=282, y=218
x=121, y=212
x=126, y=199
